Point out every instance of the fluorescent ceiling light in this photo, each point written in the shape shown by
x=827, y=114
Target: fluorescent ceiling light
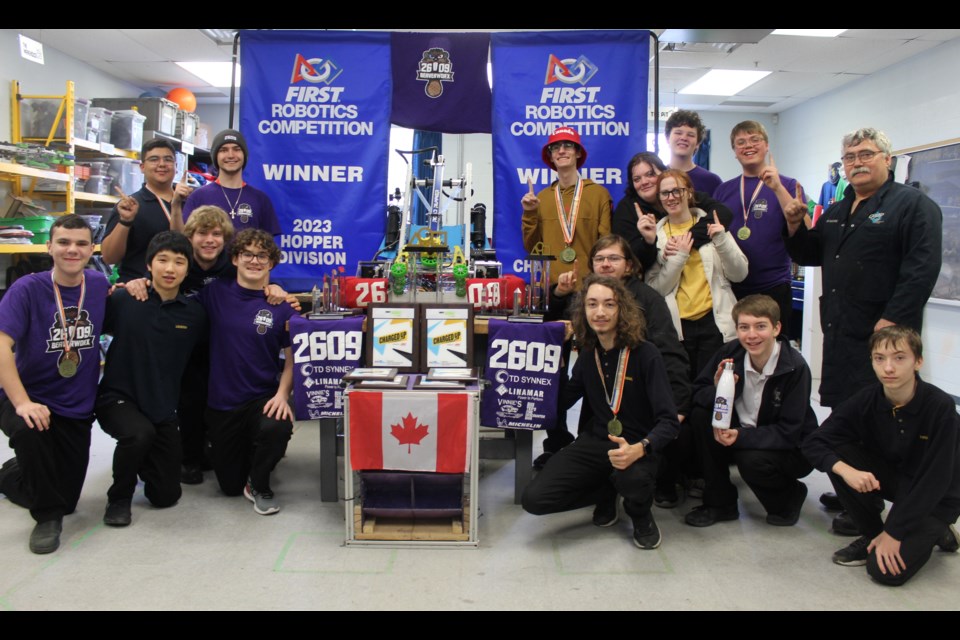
x=723, y=82
x=815, y=33
x=216, y=74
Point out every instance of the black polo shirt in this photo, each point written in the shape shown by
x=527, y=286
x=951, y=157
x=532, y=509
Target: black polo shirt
x=152, y=342
x=150, y=221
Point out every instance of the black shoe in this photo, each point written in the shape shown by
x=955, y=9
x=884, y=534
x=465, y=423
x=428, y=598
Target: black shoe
x=790, y=517
x=695, y=487
x=704, y=516
x=843, y=525
x=646, y=533
x=950, y=540
x=191, y=474
x=541, y=460
x=606, y=513
x=855, y=554
x=45, y=537
x=830, y=501
x=668, y=496
x=117, y=513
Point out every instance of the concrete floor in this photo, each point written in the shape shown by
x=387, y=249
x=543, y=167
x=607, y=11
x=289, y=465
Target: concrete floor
x=214, y=552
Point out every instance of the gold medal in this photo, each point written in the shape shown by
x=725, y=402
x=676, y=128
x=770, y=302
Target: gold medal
x=67, y=368
x=614, y=427
x=743, y=233
x=568, y=255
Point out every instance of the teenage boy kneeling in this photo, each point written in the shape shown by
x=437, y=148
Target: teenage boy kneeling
x=771, y=417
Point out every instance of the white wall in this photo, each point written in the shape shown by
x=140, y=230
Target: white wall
x=50, y=78
x=915, y=102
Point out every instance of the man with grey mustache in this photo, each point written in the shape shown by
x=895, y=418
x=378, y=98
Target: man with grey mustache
x=880, y=251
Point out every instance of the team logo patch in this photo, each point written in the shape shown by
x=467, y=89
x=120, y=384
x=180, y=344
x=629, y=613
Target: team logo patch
x=876, y=218
x=263, y=321
x=245, y=212
x=435, y=68
x=759, y=208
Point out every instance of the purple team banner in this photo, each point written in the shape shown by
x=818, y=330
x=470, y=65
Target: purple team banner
x=316, y=116
x=323, y=351
x=523, y=368
x=440, y=81
x=592, y=81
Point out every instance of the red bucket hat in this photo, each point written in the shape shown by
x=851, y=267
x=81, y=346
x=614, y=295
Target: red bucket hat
x=561, y=134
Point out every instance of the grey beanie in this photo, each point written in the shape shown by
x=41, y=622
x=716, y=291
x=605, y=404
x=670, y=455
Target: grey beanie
x=229, y=136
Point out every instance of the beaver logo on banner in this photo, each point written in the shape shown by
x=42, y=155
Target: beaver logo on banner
x=523, y=368
x=592, y=81
x=316, y=116
x=440, y=82
x=323, y=351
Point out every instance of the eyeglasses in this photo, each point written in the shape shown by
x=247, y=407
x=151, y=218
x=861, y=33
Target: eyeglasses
x=160, y=160
x=673, y=193
x=862, y=156
x=262, y=258
x=556, y=146
x=739, y=143
x=610, y=259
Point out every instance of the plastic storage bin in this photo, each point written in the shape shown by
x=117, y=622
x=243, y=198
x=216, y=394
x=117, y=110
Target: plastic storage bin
x=127, y=129
x=187, y=125
x=99, y=184
x=161, y=113
x=126, y=174
x=98, y=124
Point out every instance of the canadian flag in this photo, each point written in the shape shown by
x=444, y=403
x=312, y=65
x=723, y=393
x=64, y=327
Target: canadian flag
x=409, y=431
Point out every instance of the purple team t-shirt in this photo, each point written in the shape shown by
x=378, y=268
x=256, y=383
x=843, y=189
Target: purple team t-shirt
x=29, y=315
x=248, y=207
x=769, y=262
x=246, y=336
x=703, y=180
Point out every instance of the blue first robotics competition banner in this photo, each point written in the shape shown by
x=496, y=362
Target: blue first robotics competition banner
x=315, y=110
x=323, y=351
x=592, y=81
x=523, y=368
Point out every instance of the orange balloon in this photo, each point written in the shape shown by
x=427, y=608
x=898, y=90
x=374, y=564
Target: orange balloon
x=184, y=98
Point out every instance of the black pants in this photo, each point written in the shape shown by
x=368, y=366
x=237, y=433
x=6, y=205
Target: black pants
x=864, y=508
x=580, y=475
x=246, y=444
x=150, y=450
x=701, y=339
x=193, y=404
x=53, y=463
x=772, y=474
x=559, y=436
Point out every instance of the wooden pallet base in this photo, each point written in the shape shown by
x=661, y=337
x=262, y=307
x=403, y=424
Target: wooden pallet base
x=399, y=529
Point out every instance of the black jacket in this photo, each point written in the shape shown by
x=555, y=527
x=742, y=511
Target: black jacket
x=785, y=417
x=882, y=263
x=920, y=441
x=660, y=331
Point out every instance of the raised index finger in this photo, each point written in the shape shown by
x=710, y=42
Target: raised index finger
x=771, y=163
x=716, y=220
x=120, y=191
x=530, y=185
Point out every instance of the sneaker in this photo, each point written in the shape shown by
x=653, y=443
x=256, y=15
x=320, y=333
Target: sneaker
x=668, y=496
x=45, y=537
x=792, y=514
x=646, y=533
x=855, y=554
x=950, y=540
x=830, y=501
x=191, y=474
x=704, y=516
x=117, y=513
x=843, y=525
x=541, y=460
x=606, y=513
x=264, y=502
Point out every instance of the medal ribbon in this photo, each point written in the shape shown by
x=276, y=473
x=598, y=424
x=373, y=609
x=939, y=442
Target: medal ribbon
x=568, y=222
x=753, y=198
x=63, y=313
x=618, y=379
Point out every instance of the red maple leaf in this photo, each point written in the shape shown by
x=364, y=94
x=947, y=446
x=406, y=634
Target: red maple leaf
x=410, y=433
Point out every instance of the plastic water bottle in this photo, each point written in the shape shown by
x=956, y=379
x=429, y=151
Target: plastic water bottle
x=723, y=404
